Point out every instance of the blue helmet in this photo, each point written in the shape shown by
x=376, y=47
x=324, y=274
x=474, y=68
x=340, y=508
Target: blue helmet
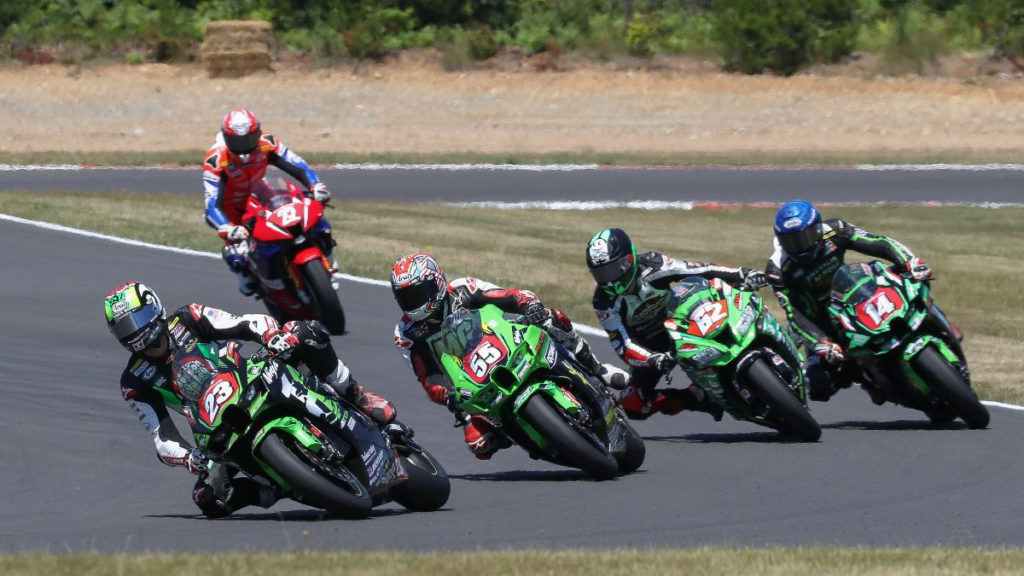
x=798, y=229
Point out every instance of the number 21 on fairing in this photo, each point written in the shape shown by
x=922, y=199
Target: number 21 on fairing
x=217, y=395
x=287, y=215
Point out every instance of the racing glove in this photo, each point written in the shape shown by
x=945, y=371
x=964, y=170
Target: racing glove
x=918, y=269
x=280, y=343
x=754, y=281
x=320, y=192
x=196, y=462
x=233, y=233
x=661, y=362
x=830, y=352
x=535, y=313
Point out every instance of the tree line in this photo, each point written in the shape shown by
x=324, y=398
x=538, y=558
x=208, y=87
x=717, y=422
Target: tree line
x=749, y=36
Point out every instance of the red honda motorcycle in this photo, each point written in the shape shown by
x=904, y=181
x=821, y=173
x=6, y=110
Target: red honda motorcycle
x=288, y=244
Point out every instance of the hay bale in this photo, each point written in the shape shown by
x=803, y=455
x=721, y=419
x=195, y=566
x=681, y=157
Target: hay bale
x=235, y=48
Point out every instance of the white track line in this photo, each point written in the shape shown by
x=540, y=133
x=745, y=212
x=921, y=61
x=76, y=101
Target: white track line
x=700, y=205
x=590, y=330
x=561, y=167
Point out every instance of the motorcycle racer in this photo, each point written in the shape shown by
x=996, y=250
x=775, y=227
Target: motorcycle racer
x=629, y=301
x=426, y=298
x=807, y=253
x=235, y=168
x=149, y=383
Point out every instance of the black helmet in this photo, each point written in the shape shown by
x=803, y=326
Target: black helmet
x=611, y=257
x=134, y=316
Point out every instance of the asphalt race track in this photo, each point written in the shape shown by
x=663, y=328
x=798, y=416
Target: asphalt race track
x=614, y=184
x=78, y=473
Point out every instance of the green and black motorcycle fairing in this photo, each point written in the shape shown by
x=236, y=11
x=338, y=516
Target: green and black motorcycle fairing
x=535, y=392
x=896, y=344
x=345, y=470
x=734, y=349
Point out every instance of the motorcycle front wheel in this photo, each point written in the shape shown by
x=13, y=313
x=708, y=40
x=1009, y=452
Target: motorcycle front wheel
x=325, y=300
x=572, y=447
x=947, y=383
x=770, y=388
x=332, y=488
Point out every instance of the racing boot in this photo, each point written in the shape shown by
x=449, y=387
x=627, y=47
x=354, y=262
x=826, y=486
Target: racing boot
x=561, y=330
x=640, y=405
x=482, y=439
x=693, y=398
x=823, y=379
x=376, y=407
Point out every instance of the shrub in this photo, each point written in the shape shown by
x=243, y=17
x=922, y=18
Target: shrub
x=368, y=38
x=638, y=37
x=759, y=35
x=481, y=43
x=909, y=38
x=782, y=35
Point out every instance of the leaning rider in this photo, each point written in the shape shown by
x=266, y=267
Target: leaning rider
x=427, y=298
x=629, y=301
x=807, y=253
x=136, y=318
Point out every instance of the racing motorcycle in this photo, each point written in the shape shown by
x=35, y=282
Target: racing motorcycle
x=735, y=350
x=897, y=346
x=345, y=470
x=535, y=393
x=287, y=251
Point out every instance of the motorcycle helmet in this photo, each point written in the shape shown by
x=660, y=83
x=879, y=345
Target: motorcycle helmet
x=241, y=132
x=419, y=285
x=135, y=316
x=798, y=230
x=611, y=258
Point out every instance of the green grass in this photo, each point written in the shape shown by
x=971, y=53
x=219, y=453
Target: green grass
x=974, y=251
x=702, y=561
x=737, y=158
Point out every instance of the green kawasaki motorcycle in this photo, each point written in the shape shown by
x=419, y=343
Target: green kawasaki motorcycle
x=735, y=350
x=898, y=347
x=535, y=392
x=345, y=471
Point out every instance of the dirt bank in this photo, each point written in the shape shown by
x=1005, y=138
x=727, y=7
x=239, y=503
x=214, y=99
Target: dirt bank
x=410, y=105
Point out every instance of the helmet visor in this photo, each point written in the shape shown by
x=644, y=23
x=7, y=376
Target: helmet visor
x=242, y=144
x=130, y=329
x=611, y=272
x=410, y=298
x=800, y=241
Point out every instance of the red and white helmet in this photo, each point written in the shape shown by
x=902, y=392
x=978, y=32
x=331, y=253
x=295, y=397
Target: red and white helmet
x=241, y=131
x=418, y=284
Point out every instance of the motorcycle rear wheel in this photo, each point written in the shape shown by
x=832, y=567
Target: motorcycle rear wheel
x=947, y=383
x=327, y=306
x=314, y=485
x=633, y=456
x=428, y=486
x=572, y=447
x=770, y=388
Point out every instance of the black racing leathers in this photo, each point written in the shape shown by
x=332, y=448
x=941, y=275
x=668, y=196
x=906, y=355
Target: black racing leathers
x=146, y=384
x=634, y=320
x=802, y=288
